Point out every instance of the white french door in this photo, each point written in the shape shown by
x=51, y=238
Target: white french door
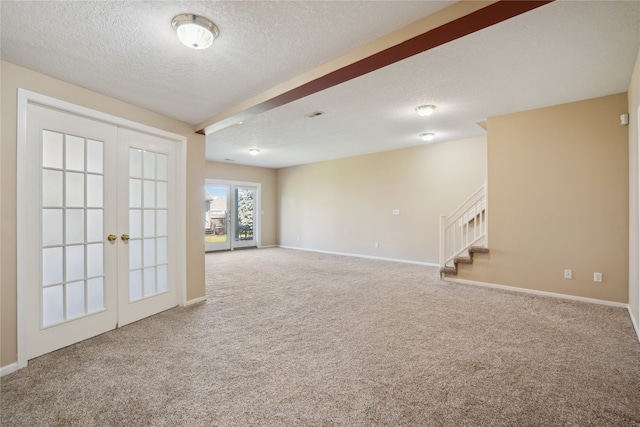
x=99, y=228
x=72, y=286
x=146, y=174
x=231, y=215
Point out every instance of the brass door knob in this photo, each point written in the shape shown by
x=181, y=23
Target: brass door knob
x=125, y=237
x=112, y=237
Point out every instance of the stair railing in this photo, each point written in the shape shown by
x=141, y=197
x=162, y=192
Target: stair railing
x=464, y=227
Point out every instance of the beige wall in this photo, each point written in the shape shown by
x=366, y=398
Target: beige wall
x=634, y=212
x=14, y=77
x=346, y=205
x=559, y=199
x=264, y=176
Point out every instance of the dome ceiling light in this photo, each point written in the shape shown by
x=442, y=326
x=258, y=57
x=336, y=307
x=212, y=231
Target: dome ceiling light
x=194, y=31
x=425, y=110
x=427, y=136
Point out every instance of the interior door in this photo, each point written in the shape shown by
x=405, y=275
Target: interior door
x=146, y=223
x=71, y=195
x=217, y=207
x=101, y=228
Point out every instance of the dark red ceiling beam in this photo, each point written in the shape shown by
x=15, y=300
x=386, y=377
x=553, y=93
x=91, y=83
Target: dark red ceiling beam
x=475, y=21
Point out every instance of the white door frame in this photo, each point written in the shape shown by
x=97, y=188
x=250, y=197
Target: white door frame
x=24, y=250
x=258, y=205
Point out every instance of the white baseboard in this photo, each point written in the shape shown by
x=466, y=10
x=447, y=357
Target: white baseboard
x=634, y=323
x=542, y=293
x=194, y=301
x=6, y=370
x=267, y=246
x=404, y=261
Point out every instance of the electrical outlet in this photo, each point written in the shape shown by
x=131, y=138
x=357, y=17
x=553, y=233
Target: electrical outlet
x=597, y=277
x=568, y=274
x=376, y=245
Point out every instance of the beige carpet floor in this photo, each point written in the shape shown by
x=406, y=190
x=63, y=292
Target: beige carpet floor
x=293, y=338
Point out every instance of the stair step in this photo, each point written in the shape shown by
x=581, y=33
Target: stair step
x=478, y=250
x=463, y=260
x=449, y=270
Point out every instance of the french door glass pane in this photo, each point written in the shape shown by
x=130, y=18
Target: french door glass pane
x=135, y=193
x=52, y=227
x=94, y=191
x=95, y=260
x=162, y=168
x=94, y=156
x=216, y=214
x=75, y=226
x=135, y=254
x=149, y=223
x=135, y=163
x=161, y=252
x=95, y=294
x=244, y=213
x=94, y=225
x=149, y=167
x=161, y=222
x=52, y=194
x=149, y=252
x=163, y=281
x=75, y=299
x=52, y=305
x=161, y=198
x=52, y=149
x=135, y=223
x=149, y=281
x=52, y=266
x=75, y=262
x=149, y=194
x=74, y=153
x=74, y=189
x=135, y=285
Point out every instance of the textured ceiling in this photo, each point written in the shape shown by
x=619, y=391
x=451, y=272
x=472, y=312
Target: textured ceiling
x=128, y=49
x=562, y=52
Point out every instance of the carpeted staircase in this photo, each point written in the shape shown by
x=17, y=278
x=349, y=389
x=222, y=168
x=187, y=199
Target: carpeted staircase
x=453, y=271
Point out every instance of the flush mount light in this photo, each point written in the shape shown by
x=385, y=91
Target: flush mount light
x=427, y=136
x=254, y=151
x=426, y=110
x=195, y=31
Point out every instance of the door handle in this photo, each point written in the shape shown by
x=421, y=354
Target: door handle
x=125, y=237
x=112, y=237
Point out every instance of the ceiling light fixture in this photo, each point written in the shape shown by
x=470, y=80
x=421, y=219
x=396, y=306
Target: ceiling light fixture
x=427, y=136
x=425, y=110
x=195, y=31
x=254, y=151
